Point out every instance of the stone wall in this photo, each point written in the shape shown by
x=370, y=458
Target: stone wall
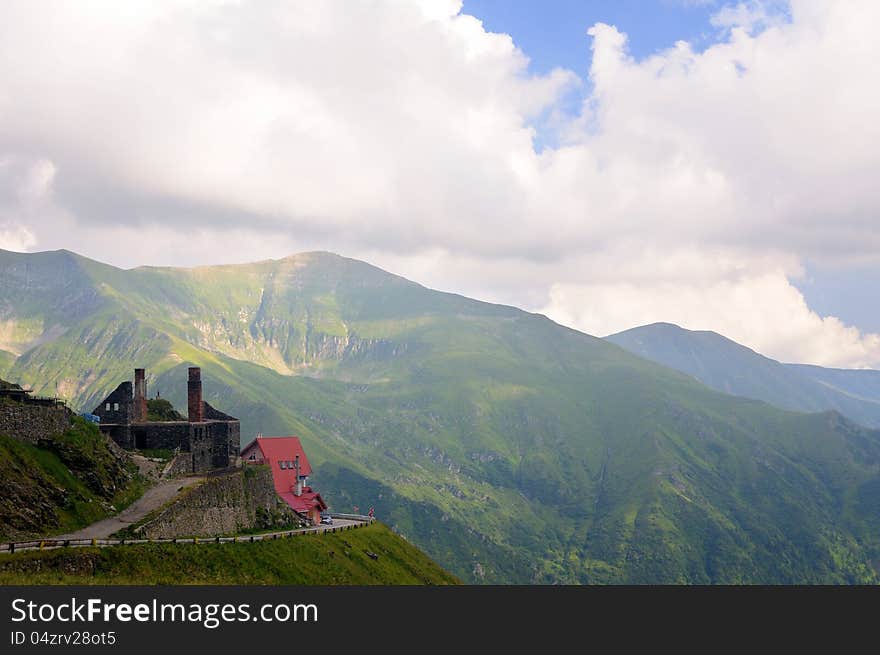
x=31, y=422
x=118, y=407
x=166, y=435
x=181, y=464
x=212, y=444
x=223, y=505
x=202, y=448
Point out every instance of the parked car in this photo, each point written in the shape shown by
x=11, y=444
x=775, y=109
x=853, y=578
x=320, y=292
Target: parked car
x=326, y=519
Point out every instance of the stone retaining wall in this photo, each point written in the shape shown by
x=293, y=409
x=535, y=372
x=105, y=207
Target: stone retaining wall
x=31, y=422
x=238, y=501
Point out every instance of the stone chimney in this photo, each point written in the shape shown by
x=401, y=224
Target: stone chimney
x=194, y=396
x=140, y=396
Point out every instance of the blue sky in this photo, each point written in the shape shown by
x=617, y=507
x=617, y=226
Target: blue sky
x=552, y=33
x=849, y=292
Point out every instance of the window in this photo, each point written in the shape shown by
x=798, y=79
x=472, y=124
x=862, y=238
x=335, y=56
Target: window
x=107, y=407
x=252, y=458
x=282, y=464
x=115, y=407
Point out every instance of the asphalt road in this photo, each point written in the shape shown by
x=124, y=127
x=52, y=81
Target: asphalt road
x=337, y=523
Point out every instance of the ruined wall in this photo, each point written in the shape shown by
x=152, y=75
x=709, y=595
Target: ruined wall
x=118, y=407
x=214, y=444
x=225, y=504
x=203, y=448
x=213, y=414
x=31, y=422
x=226, y=434
x=226, y=437
x=167, y=435
x=120, y=434
x=210, y=445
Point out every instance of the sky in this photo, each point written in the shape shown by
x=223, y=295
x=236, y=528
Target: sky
x=609, y=163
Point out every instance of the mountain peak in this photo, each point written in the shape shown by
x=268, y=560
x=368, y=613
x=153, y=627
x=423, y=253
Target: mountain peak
x=728, y=366
x=666, y=328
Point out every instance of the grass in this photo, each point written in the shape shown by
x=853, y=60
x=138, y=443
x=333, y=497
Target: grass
x=165, y=454
x=325, y=559
x=72, y=483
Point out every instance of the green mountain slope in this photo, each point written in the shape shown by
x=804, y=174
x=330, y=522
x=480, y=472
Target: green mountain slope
x=63, y=484
x=330, y=559
x=729, y=367
x=509, y=448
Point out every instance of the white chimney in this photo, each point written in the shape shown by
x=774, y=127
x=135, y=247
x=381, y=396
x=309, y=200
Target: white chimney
x=299, y=485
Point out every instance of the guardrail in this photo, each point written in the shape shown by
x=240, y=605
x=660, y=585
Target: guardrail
x=353, y=517
x=50, y=544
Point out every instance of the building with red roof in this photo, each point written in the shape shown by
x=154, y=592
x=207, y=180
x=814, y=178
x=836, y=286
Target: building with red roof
x=290, y=468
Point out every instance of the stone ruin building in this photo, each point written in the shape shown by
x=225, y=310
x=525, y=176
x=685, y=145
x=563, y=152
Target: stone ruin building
x=210, y=436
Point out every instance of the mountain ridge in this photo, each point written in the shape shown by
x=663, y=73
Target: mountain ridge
x=730, y=367
x=508, y=447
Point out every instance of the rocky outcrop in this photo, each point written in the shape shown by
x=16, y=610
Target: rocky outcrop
x=235, y=502
x=326, y=347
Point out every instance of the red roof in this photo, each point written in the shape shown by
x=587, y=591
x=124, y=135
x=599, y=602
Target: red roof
x=278, y=450
x=305, y=502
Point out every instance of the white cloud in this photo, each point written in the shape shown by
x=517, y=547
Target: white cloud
x=16, y=237
x=402, y=132
x=762, y=310
x=25, y=200
x=749, y=16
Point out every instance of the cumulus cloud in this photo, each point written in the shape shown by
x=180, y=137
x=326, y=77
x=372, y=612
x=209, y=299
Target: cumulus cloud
x=16, y=237
x=25, y=197
x=403, y=132
x=749, y=16
x=760, y=309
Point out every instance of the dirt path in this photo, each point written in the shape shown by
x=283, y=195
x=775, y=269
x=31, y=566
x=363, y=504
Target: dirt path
x=155, y=497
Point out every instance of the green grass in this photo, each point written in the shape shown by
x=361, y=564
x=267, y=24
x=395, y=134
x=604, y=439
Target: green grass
x=164, y=454
x=73, y=482
x=326, y=559
x=159, y=409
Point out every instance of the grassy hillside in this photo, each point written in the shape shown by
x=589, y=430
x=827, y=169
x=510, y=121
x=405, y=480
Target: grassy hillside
x=729, y=367
x=509, y=448
x=328, y=559
x=62, y=485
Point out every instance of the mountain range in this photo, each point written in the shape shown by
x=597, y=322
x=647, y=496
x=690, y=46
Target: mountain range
x=511, y=449
x=732, y=368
